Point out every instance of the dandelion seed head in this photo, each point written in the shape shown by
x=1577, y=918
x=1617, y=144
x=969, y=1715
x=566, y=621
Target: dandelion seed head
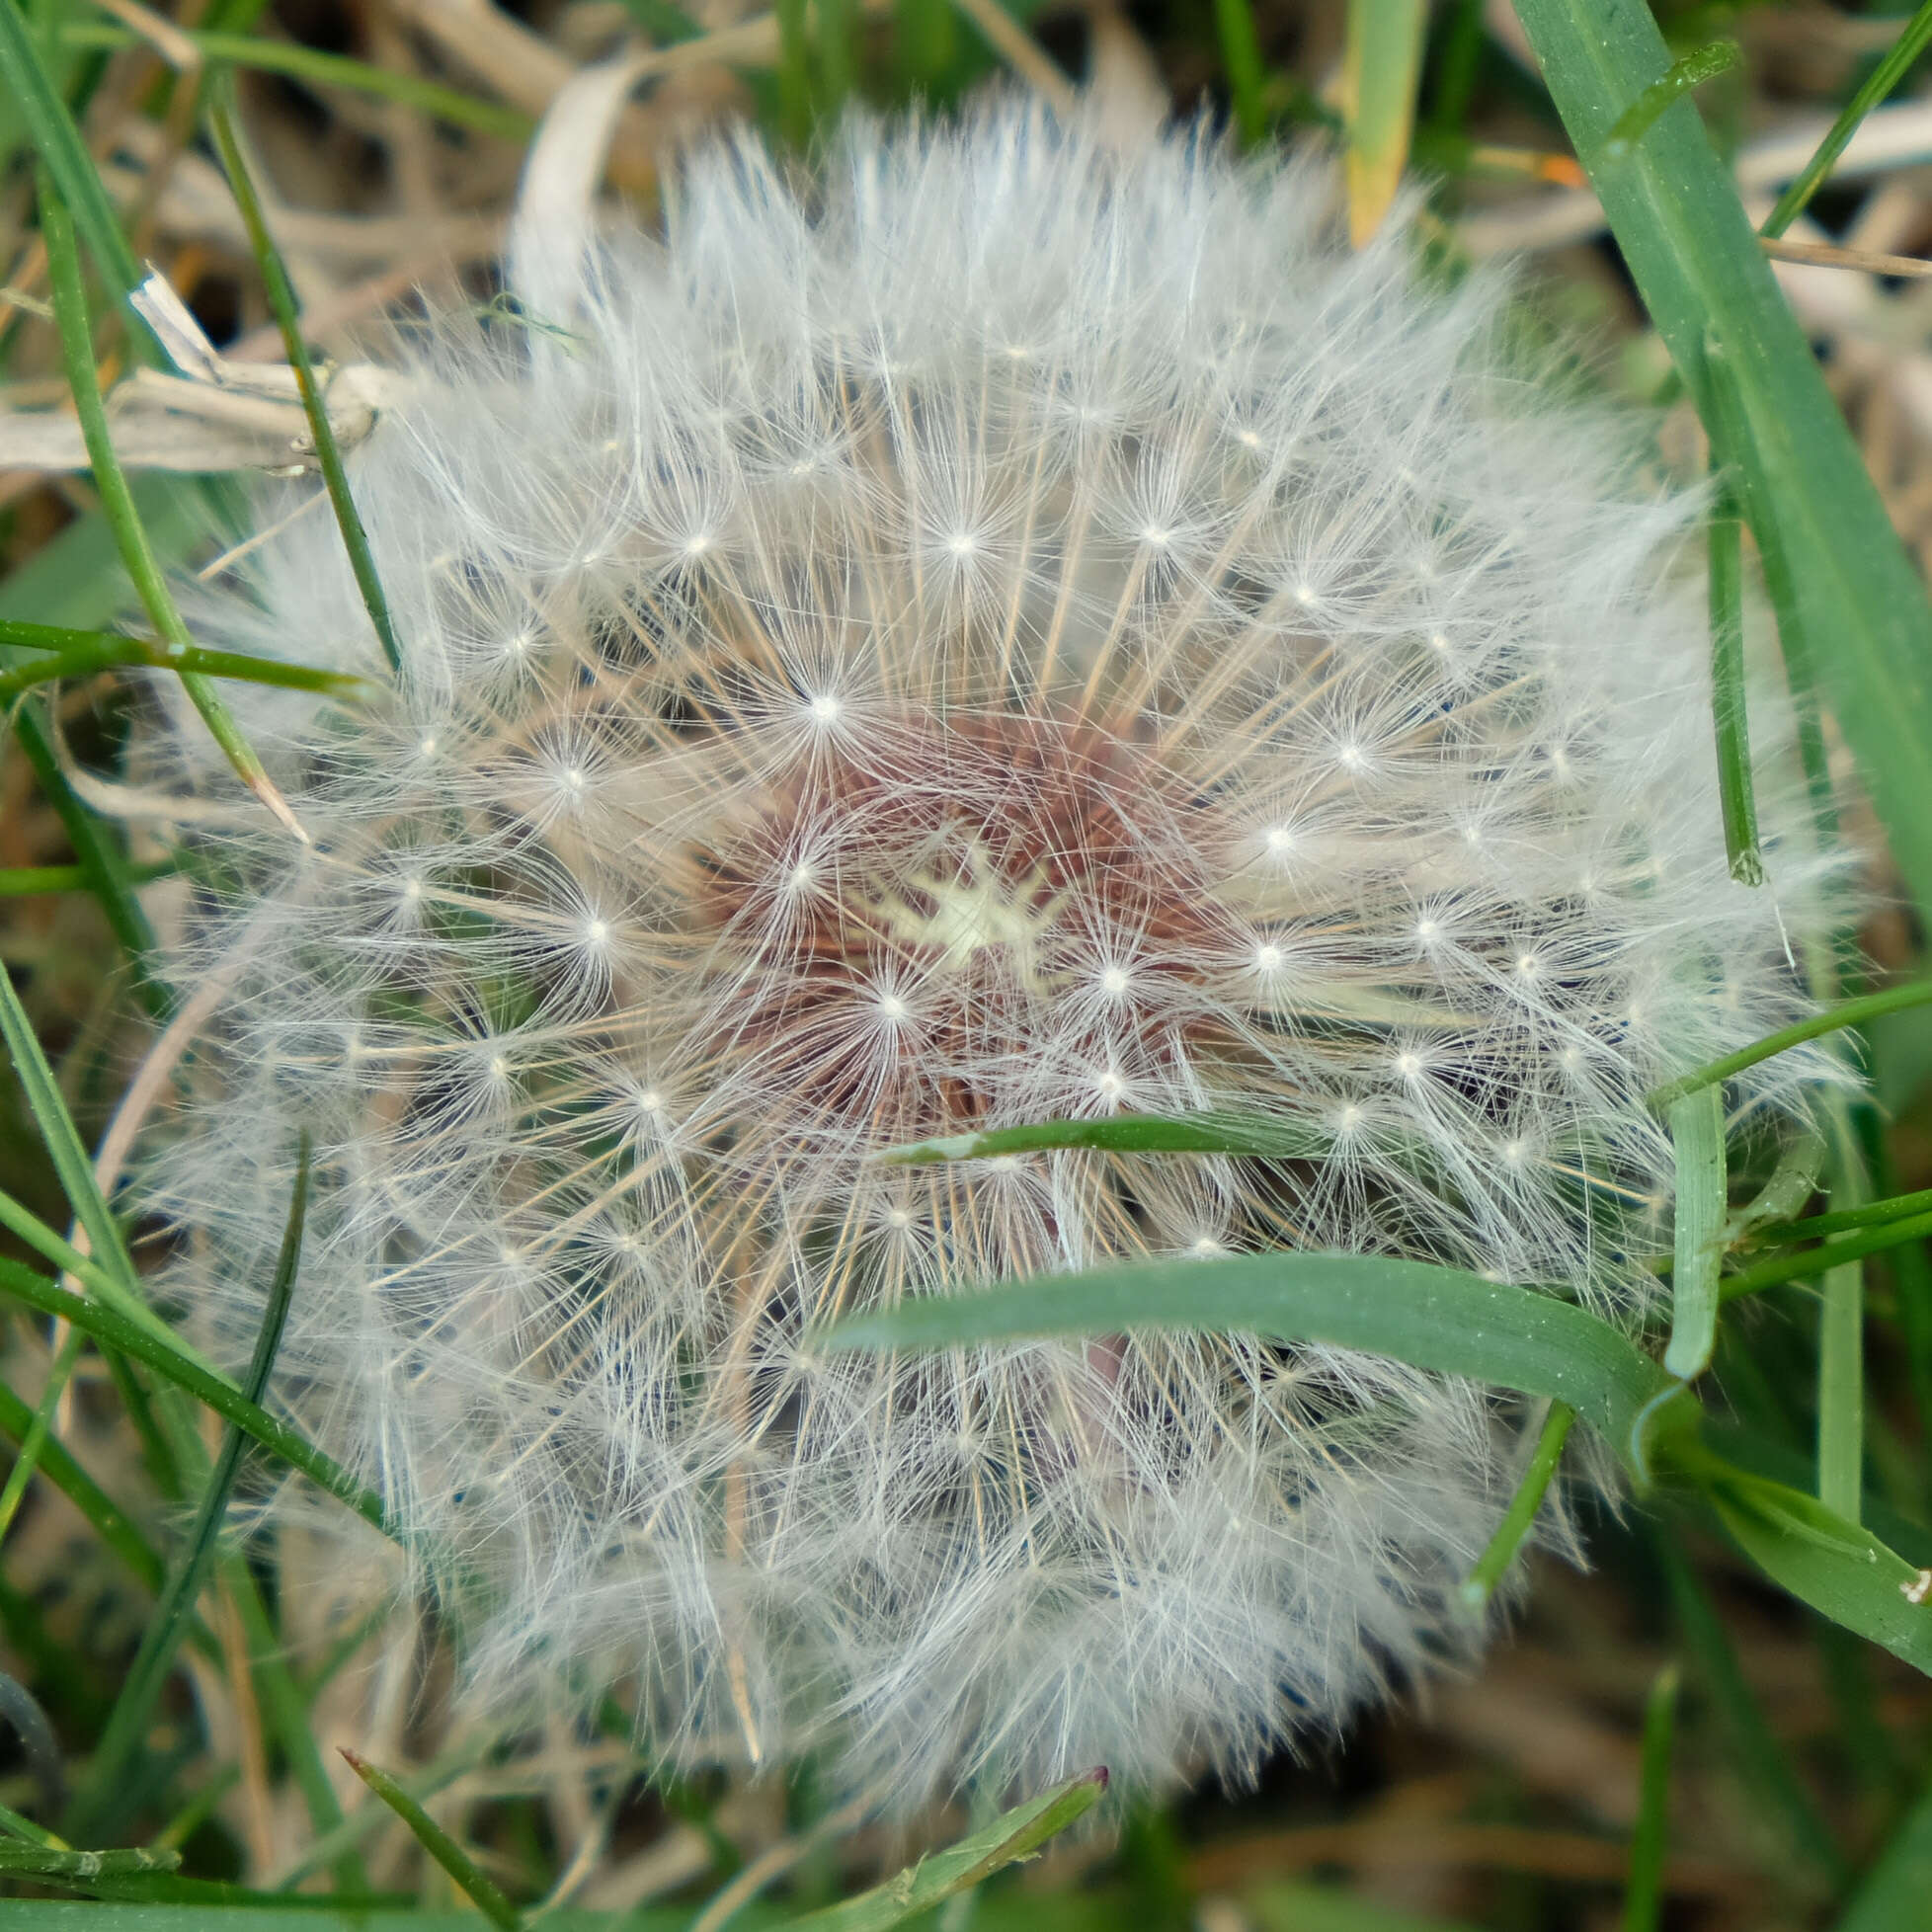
x=1015, y=684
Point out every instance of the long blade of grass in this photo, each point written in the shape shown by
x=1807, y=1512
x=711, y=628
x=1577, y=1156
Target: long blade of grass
x=1736, y=797
x=1241, y=57
x=40, y=1429
x=1779, y=1269
x=62, y=1141
x=1759, y=1759
x=1013, y=1835
x=63, y=153
x=118, y=501
x=1435, y=1318
x=104, y=651
x=104, y=1516
x=320, y=69
x=1893, y=1894
x=473, y=1883
x=98, y=1805
x=1697, y=1135
x=1864, y=624
x=1880, y=82
x=1848, y=1013
x=1500, y=1552
x=118, y=1331
x=1841, y=1340
x=281, y=302
x=1644, y=1892
x=1382, y=65
x=1127, y=1133
x=1873, y=1214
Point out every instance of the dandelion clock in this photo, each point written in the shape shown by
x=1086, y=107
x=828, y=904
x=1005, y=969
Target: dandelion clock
x=1017, y=632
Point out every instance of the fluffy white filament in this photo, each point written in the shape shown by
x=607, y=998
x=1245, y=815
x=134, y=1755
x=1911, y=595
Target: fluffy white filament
x=1032, y=635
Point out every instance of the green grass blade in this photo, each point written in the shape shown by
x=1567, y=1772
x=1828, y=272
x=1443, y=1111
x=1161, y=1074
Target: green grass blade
x=1759, y=1759
x=1775, y=1272
x=109, y=1521
x=1493, y=1563
x=1864, y=624
x=1013, y=1835
x=320, y=69
x=104, y=651
x=1697, y=1135
x=1848, y=1013
x=100, y=860
x=1878, y=84
x=1736, y=797
x=1435, y=1318
x=63, y=153
x=1128, y=1133
x=131, y=1338
x=1873, y=1214
x=62, y=1141
x=97, y=1808
x=474, y=1885
x=1644, y=1892
x=32, y=1445
x=1841, y=1341
x=1241, y=57
x=1680, y=78
x=1893, y=1897
x=282, y=301
x=118, y=503
x=1382, y=66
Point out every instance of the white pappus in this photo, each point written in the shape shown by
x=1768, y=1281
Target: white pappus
x=1029, y=633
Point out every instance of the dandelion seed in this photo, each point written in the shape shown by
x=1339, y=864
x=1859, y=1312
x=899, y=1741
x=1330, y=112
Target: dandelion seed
x=916, y=791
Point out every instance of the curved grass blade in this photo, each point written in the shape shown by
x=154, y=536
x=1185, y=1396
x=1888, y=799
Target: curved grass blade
x=1013, y=1835
x=319, y=69
x=1864, y=626
x=1680, y=78
x=1842, y=1571
x=1873, y=1214
x=98, y=1804
x=1848, y=1013
x=281, y=302
x=474, y=1885
x=118, y=501
x=1435, y=1318
x=1493, y=1563
x=1883, y=78
x=116, y=1330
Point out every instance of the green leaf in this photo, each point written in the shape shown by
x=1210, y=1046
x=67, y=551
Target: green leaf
x=1493, y=1563
x=1240, y=55
x=1435, y=1318
x=85, y=652
x=1866, y=630
x=1013, y=1835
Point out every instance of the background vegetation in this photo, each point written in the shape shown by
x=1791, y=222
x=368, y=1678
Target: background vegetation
x=1724, y=1723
